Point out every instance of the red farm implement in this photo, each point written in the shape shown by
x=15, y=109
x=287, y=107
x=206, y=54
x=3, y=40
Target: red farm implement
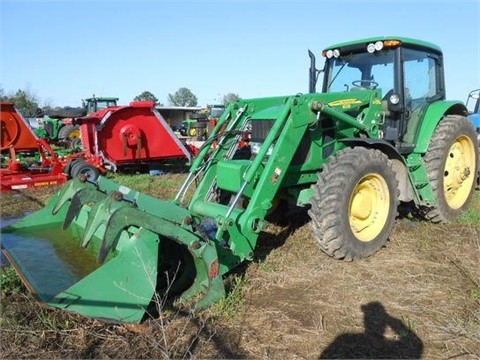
x=113, y=138
x=26, y=160
x=122, y=136
x=125, y=135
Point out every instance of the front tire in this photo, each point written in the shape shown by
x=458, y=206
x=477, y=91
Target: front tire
x=355, y=203
x=452, y=160
x=82, y=167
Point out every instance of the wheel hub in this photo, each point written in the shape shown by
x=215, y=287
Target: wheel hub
x=458, y=175
x=369, y=207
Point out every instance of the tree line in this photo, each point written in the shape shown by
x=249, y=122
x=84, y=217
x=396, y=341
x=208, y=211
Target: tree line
x=28, y=104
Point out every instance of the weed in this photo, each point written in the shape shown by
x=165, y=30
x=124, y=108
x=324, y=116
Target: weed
x=474, y=294
x=229, y=306
x=265, y=266
x=472, y=215
x=10, y=283
x=409, y=323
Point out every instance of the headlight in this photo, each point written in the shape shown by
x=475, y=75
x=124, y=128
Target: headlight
x=255, y=148
x=394, y=99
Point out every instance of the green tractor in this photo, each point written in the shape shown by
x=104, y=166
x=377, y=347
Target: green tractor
x=202, y=122
x=379, y=134
x=58, y=125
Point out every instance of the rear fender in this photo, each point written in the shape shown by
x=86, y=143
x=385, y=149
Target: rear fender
x=433, y=115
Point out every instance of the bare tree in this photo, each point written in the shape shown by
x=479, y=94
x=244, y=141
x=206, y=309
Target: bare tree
x=229, y=98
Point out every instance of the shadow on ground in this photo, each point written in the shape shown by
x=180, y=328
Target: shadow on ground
x=385, y=337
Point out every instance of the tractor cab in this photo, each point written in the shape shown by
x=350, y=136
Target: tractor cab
x=406, y=74
x=215, y=111
x=95, y=104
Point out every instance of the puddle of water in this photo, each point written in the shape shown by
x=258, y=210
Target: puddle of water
x=4, y=223
x=50, y=259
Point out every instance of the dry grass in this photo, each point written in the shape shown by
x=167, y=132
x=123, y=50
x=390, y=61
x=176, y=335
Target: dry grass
x=426, y=278
x=418, y=297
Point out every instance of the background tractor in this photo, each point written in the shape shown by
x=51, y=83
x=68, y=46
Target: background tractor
x=473, y=106
x=379, y=134
x=202, y=122
x=58, y=125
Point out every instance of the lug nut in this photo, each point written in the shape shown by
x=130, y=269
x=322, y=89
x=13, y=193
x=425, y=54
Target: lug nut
x=195, y=245
x=117, y=195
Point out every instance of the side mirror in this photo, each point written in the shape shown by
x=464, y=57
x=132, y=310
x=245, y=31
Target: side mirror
x=313, y=74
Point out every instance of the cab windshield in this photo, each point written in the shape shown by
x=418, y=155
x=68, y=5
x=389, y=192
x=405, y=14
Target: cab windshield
x=357, y=71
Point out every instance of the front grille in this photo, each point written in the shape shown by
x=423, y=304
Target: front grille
x=260, y=129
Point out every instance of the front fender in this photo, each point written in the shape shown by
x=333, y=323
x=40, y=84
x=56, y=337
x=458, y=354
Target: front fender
x=435, y=112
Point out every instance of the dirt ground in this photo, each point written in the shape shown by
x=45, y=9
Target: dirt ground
x=417, y=298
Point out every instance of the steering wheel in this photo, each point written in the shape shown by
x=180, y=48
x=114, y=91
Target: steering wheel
x=361, y=84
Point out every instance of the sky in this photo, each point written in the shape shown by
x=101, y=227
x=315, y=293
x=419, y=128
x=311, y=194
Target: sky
x=63, y=51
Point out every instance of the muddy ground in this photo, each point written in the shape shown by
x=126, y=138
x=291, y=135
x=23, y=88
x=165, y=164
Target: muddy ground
x=417, y=298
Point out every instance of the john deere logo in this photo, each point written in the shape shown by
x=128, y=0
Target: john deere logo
x=345, y=103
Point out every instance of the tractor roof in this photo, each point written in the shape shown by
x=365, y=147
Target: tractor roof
x=404, y=40
x=102, y=98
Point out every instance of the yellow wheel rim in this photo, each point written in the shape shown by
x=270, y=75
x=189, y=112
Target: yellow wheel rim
x=369, y=207
x=459, y=172
x=74, y=134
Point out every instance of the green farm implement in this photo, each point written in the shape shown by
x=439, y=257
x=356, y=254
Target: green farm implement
x=379, y=133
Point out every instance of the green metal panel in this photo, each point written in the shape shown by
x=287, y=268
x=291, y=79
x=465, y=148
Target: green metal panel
x=230, y=174
x=121, y=289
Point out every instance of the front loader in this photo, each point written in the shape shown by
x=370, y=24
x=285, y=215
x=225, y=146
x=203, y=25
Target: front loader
x=379, y=133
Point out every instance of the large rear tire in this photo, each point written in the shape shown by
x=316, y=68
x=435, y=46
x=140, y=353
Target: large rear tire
x=452, y=160
x=69, y=132
x=355, y=203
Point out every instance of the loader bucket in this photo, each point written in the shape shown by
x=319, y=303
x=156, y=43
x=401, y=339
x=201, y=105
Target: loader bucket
x=105, y=251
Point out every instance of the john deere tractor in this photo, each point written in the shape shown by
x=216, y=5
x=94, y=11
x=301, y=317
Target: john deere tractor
x=202, y=121
x=380, y=133
x=58, y=125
